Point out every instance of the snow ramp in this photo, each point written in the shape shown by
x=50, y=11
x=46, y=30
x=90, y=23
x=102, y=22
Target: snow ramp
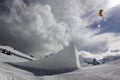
x=65, y=60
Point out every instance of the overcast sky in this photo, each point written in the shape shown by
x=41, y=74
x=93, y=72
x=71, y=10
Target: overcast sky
x=41, y=26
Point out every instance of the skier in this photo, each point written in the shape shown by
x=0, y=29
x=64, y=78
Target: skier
x=101, y=13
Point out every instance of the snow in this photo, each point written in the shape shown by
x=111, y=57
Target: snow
x=8, y=72
x=16, y=52
x=87, y=58
x=11, y=58
x=65, y=60
x=107, y=71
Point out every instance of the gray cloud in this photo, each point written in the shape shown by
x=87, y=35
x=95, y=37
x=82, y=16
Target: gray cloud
x=41, y=26
x=32, y=29
x=79, y=14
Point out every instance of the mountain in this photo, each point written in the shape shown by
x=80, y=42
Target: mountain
x=88, y=59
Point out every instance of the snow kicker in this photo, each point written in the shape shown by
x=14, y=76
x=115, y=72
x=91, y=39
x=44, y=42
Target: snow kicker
x=65, y=60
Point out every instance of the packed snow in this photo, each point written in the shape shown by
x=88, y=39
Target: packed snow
x=107, y=71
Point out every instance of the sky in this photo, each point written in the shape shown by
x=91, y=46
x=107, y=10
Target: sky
x=38, y=27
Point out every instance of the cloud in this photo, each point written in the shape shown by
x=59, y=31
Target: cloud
x=78, y=15
x=112, y=24
x=112, y=47
x=42, y=26
x=33, y=29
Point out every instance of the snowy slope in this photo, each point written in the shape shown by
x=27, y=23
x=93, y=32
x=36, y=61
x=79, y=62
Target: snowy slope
x=65, y=60
x=110, y=70
x=107, y=71
x=13, y=54
x=11, y=58
x=8, y=72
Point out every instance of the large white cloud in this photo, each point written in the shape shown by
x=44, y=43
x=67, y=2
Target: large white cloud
x=79, y=14
x=47, y=25
x=112, y=46
x=33, y=29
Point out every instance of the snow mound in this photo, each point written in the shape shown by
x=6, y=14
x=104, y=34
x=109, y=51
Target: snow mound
x=65, y=60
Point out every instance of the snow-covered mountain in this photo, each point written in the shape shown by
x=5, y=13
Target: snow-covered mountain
x=113, y=53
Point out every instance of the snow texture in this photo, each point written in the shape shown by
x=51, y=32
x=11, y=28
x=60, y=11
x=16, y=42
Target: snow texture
x=63, y=61
x=15, y=52
x=107, y=71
